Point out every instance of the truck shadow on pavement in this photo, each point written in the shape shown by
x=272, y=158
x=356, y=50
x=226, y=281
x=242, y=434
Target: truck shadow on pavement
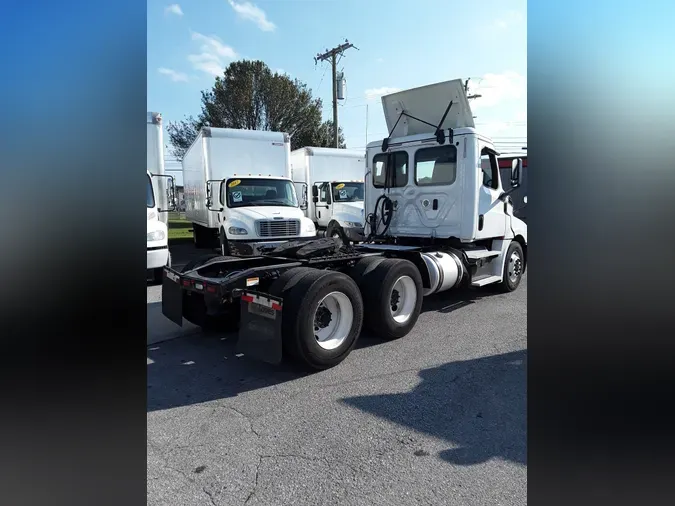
x=202, y=367
x=479, y=406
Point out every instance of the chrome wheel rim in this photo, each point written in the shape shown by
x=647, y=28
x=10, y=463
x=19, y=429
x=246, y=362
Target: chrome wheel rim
x=403, y=299
x=333, y=320
x=515, y=266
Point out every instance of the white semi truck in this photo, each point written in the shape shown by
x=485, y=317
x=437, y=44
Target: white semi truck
x=238, y=192
x=335, y=177
x=437, y=219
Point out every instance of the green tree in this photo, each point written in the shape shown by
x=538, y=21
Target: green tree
x=249, y=96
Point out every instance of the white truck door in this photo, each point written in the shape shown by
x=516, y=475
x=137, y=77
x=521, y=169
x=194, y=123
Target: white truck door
x=491, y=215
x=324, y=205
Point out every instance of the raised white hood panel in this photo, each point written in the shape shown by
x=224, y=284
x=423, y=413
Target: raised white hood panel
x=428, y=103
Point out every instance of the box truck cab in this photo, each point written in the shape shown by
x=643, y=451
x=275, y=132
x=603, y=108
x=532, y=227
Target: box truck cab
x=239, y=194
x=335, y=177
x=157, y=235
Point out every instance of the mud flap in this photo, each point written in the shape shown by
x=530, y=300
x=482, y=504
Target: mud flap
x=260, y=327
x=172, y=297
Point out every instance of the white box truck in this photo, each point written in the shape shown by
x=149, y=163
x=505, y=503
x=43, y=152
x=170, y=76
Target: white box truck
x=436, y=219
x=335, y=177
x=238, y=192
x=155, y=163
x=158, y=233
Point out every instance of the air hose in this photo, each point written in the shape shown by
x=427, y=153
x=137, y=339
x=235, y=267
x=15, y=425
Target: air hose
x=385, y=208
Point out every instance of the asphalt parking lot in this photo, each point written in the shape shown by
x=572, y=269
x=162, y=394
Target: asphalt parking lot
x=438, y=417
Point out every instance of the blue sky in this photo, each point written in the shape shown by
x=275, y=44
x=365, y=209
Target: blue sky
x=399, y=47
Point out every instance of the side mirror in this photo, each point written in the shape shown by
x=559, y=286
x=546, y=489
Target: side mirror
x=209, y=198
x=170, y=193
x=516, y=172
x=315, y=192
x=304, y=203
x=315, y=199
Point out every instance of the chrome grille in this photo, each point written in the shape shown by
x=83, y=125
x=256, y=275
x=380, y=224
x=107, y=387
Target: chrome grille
x=278, y=228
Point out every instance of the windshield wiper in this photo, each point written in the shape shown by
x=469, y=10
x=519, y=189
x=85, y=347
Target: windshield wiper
x=272, y=203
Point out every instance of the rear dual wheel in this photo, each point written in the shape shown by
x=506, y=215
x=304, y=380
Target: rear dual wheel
x=322, y=315
x=392, y=295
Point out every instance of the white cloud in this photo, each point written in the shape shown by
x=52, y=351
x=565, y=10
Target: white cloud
x=173, y=75
x=174, y=9
x=496, y=89
x=374, y=93
x=213, y=44
x=510, y=18
x=213, y=54
x=251, y=12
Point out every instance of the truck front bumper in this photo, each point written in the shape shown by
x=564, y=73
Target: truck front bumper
x=158, y=257
x=257, y=248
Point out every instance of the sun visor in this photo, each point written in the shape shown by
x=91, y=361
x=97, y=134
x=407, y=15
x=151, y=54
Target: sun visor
x=427, y=103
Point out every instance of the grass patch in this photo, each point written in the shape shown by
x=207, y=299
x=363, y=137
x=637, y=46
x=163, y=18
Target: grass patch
x=179, y=227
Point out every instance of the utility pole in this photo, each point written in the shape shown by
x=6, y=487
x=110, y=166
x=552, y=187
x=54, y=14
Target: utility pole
x=466, y=90
x=332, y=55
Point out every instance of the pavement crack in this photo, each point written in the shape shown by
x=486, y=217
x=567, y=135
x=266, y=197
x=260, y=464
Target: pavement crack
x=245, y=417
x=255, y=483
x=207, y=492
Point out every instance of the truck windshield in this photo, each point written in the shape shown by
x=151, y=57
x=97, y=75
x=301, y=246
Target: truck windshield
x=150, y=196
x=348, y=191
x=247, y=192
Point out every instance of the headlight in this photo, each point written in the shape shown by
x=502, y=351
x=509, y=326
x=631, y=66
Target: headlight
x=237, y=231
x=157, y=235
x=309, y=227
x=353, y=224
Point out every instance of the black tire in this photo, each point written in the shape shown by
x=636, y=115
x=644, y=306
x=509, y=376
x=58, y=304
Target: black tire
x=196, y=262
x=363, y=267
x=302, y=290
x=513, y=270
x=335, y=230
x=224, y=246
x=197, y=236
x=377, y=282
x=194, y=311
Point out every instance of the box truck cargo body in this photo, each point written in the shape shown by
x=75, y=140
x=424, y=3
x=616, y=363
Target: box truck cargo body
x=238, y=192
x=334, y=179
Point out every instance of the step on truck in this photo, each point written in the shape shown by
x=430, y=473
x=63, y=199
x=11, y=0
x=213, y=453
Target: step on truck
x=239, y=194
x=437, y=219
x=335, y=179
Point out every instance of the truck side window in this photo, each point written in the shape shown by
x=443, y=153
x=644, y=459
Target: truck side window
x=490, y=170
x=436, y=166
x=323, y=192
x=400, y=162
